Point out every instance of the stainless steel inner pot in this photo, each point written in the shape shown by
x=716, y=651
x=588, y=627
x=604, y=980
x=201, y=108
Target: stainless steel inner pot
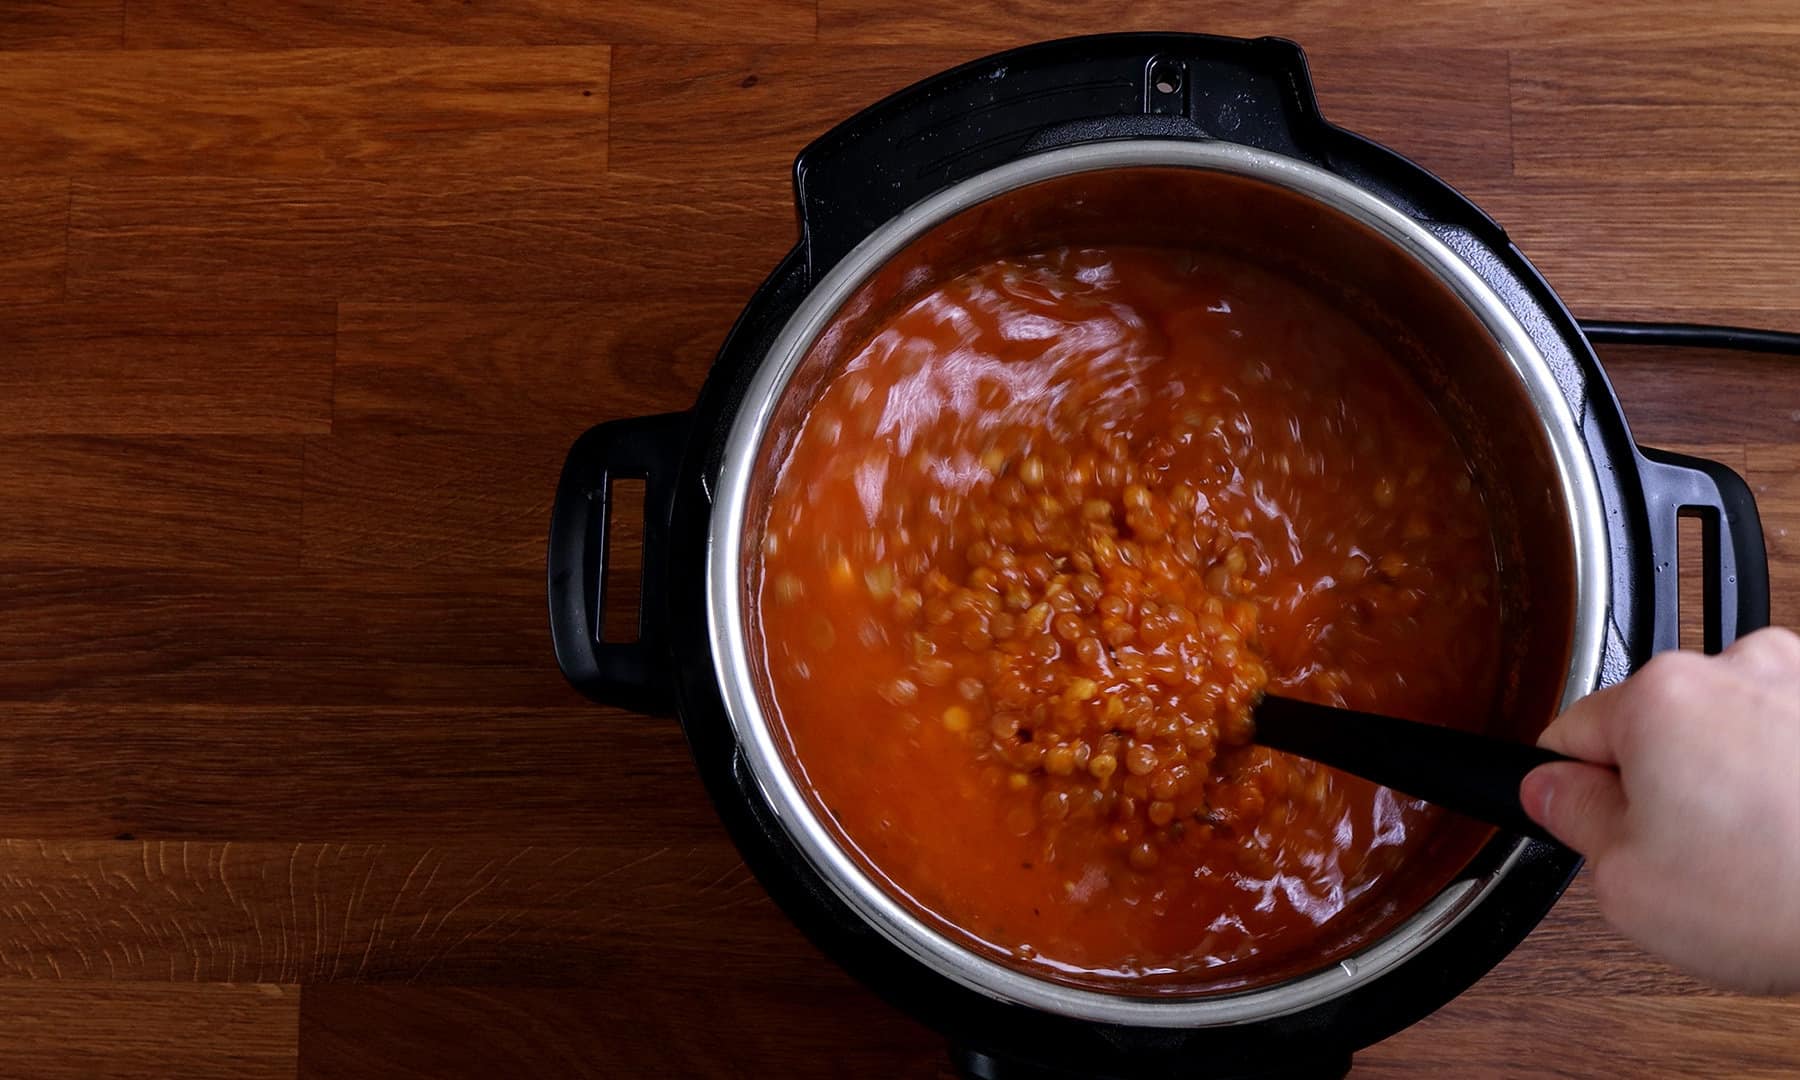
x=1465, y=348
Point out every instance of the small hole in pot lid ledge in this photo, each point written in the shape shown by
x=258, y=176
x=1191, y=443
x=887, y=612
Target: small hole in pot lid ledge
x=1165, y=78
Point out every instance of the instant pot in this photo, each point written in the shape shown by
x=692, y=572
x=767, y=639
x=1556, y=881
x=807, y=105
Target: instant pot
x=1168, y=139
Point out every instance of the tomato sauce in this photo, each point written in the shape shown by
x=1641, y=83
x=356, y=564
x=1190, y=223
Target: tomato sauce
x=1031, y=557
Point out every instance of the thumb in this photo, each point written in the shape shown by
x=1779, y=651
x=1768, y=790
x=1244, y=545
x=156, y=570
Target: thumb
x=1581, y=805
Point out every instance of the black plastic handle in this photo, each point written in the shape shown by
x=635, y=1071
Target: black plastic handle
x=1477, y=775
x=637, y=674
x=1736, y=563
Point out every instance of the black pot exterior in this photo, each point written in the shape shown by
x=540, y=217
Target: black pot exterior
x=933, y=135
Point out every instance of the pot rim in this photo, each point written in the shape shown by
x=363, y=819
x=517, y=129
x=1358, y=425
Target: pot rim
x=726, y=611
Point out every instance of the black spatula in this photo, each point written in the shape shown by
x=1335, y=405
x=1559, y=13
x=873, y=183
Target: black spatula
x=1472, y=774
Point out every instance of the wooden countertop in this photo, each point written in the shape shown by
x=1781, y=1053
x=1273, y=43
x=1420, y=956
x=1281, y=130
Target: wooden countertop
x=300, y=305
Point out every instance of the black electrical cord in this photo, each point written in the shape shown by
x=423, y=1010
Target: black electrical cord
x=1692, y=335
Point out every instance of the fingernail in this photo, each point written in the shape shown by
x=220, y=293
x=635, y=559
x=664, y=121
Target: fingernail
x=1535, y=794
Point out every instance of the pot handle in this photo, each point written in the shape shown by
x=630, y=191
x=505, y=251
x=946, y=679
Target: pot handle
x=1736, y=563
x=637, y=674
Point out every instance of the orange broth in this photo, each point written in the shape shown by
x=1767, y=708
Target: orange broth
x=1035, y=551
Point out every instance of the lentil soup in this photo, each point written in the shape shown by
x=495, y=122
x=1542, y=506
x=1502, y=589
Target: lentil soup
x=1029, y=559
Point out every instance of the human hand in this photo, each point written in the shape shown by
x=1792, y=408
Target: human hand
x=1695, y=838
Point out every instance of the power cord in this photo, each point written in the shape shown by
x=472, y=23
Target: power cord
x=1691, y=335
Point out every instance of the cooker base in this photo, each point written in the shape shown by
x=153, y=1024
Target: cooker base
x=976, y=1065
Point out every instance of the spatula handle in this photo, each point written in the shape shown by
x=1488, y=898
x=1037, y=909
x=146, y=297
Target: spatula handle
x=1473, y=774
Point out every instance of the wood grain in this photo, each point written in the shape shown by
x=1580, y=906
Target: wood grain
x=107, y=368
x=729, y=128
x=158, y=636
x=723, y=95
x=521, y=368
x=730, y=1028
x=1697, y=395
x=1773, y=471
x=305, y=112
x=447, y=503
x=114, y=503
x=34, y=243
x=282, y=24
x=117, y=1031
x=1441, y=107
x=1651, y=1036
x=1640, y=111
x=550, y=775
x=457, y=913
x=424, y=239
x=1430, y=23
x=1672, y=246
x=62, y=24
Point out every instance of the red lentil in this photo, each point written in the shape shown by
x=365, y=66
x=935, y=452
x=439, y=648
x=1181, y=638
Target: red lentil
x=1094, y=502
